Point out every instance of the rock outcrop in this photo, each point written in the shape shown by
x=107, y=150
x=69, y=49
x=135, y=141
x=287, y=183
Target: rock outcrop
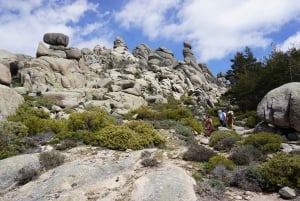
x=139, y=77
x=281, y=106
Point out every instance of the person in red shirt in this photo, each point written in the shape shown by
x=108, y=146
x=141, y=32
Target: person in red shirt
x=208, y=125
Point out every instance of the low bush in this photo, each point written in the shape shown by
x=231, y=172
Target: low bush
x=12, y=138
x=248, y=179
x=91, y=120
x=198, y=153
x=26, y=174
x=143, y=112
x=66, y=144
x=218, y=136
x=150, y=162
x=187, y=100
x=211, y=189
x=193, y=123
x=32, y=117
x=164, y=124
x=184, y=133
x=177, y=113
x=132, y=135
x=281, y=170
x=51, y=159
x=221, y=173
x=264, y=141
x=243, y=155
x=219, y=160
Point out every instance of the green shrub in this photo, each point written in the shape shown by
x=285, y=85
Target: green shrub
x=90, y=120
x=132, y=135
x=221, y=173
x=243, y=155
x=211, y=189
x=12, y=138
x=26, y=174
x=217, y=136
x=281, y=170
x=164, y=124
x=66, y=144
x=225, y=144
x=219, y=160
x=212, y=112
x=251, y=122
x=177, y=113
x=143, y=112
x=25, y=111
x=248, y=179
x=184, y=133
x=41, y=101
x=264, y=141
x=32, y=117
x=198, y=153
x=187, y=100
x=51, y=159
x=193, y=123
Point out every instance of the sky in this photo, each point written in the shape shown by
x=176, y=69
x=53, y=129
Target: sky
x=216, y=29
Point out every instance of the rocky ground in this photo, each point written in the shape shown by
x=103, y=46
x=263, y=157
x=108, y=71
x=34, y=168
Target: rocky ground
x=93, y=173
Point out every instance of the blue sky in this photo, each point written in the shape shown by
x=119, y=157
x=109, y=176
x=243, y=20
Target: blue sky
x=216, y=29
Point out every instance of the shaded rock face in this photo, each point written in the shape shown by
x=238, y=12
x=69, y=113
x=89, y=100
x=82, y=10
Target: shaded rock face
x=56, y=39
x=281, y=106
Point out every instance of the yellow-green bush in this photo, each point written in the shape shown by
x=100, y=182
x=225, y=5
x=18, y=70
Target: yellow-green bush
x=194, y=123
x=89, y=120
x=281, y=170
x=217, y=136
x=12, y=138
x=219, y=160
x=132, y=135
x=187, y=100
x=177, y=113
x=143, y=112
x=25, y=111
x=33, y=118
x=264, y=141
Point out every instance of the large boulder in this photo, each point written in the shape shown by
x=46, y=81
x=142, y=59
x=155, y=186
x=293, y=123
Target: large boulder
x=169, y=184
x=10, y=167
x=281, y=106
x=5, y=76
x=56, y=39
x=9, y=101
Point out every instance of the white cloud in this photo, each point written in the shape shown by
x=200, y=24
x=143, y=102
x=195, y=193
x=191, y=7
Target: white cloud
x=149, y=15
x=291, y=42
x=23, y=23
x=214, y=28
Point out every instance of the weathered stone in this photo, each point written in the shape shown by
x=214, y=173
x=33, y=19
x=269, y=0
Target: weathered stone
x=168, y=184
x=66, y=98
x=10, y=167
x=44, y=51
x=9, y=101
x=73, y=53
x=5, y=76
x=287, y=192
x=56, y=39
x=281, y=106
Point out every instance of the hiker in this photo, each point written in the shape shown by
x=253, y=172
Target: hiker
x=230, y=119
x=222, y=117
x=208, y=125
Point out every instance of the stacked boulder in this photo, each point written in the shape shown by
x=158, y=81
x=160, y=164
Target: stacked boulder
x=115, y=78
